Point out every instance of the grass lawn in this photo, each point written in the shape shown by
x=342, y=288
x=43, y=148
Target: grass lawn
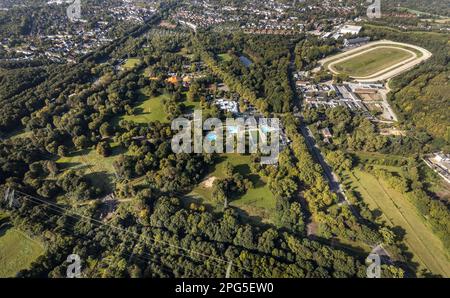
x=257, y=202
x=3, y=216
x=418, y=12
x=225, y=57
x=193, y=105
x=151, y=109
x=131, y=63
x=375, y=156
x=398, y=212
x=17, y=251
x=371, y=62
x=99, y=169
x=357, y=247
x=190, y=106
x=17, y=134
x=441, y=21
x=185, y=52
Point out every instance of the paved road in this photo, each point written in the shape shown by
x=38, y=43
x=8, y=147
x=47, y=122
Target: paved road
x=311, y=143
x=386, y=105
x=332, y=178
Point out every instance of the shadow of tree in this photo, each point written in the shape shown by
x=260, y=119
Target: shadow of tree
x=4, y=228
x=102, y=180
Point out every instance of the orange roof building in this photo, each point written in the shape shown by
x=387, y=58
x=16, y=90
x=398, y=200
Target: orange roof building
x=173, y=80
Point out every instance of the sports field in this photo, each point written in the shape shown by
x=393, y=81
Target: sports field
x=17, y=251
x=372, y=61
x=398, y=212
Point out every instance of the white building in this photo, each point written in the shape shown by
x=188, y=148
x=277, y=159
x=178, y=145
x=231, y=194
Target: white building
x=350, y=29
x=442, y=158
x=189, y=24
x=228, y=105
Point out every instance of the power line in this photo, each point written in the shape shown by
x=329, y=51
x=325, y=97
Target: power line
x=146, y=260
x=63, y=210
x=141, y=258
x=117, y=228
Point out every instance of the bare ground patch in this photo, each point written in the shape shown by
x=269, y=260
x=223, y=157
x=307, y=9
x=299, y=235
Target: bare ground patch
x=208, y=183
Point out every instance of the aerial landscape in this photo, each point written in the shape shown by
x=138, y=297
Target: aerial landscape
x=224, y=139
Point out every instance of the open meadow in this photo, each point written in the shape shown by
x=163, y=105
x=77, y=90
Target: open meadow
x=257, y=202
x=17, y=251
x=131, y=63
x=150, y=109
x=398, y=212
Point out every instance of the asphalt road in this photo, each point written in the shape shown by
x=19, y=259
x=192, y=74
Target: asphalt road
x=332, y=178
x=311, y=143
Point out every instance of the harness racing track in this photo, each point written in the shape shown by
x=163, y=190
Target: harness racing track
x=404, y=57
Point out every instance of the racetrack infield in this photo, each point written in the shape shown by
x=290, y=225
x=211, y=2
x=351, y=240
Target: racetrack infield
x=376, y=61
x=372, y=61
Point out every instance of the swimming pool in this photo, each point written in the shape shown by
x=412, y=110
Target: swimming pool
x=212, y=136
x=265, y=129
x=232, y=129
x=247, y=62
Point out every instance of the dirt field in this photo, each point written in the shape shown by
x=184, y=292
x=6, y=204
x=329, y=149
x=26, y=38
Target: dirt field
x=369, y=97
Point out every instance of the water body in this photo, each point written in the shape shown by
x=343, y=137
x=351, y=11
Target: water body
x=232, y=129
x=265, y=129
x=212, y=136
x=247, y=62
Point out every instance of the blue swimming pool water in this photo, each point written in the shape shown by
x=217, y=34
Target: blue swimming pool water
x=212, y=136
x=232, y=129
x=247, y=62
x=265, y=129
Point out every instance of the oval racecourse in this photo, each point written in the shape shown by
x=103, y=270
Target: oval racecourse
x=376, y=61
